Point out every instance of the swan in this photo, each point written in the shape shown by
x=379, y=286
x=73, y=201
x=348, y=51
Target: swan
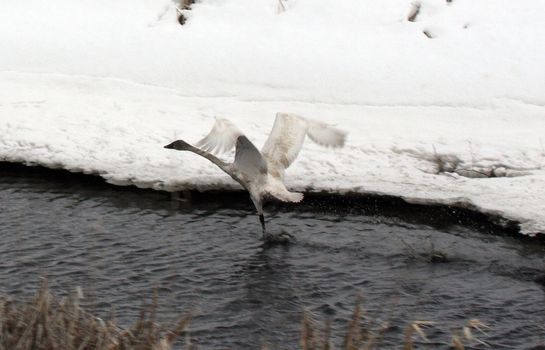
x=262, y=173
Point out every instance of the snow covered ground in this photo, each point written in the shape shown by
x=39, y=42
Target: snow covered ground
x=100, y=86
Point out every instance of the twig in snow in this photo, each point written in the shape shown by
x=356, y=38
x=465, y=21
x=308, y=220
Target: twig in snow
x=445, y=163
x=184, y=5
x=428, y=34
x=414, y=11
x=281, y=7
x=472, y=173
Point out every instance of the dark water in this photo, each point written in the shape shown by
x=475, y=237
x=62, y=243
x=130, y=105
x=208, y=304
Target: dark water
x=119, y=245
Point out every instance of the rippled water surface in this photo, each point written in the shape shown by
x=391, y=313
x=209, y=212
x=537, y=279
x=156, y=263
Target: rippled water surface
x=120, y=244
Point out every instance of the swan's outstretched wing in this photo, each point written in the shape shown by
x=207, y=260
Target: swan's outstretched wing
x=287, y=137
x=221, y=138
x=325, y=135
x=224, y=135
x=284, y=142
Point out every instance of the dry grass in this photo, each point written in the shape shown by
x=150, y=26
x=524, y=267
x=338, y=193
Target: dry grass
x=363, y=333
x=47, y=323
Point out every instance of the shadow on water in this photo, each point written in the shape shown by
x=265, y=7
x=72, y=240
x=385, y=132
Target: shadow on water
x=121, y=243
x=437, y=216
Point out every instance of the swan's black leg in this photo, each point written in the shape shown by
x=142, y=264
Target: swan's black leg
x=274, y=238
x=262, y=220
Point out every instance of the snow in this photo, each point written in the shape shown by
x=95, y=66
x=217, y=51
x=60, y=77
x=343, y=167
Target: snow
x=100, y=86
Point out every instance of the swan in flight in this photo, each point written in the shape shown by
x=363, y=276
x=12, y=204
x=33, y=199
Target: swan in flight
x=262, y=173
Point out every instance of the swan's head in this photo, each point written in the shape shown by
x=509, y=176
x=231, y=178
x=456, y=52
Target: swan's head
x=179, y=145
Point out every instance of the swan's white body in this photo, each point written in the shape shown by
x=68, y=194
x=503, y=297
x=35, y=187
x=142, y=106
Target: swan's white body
x=262, y=173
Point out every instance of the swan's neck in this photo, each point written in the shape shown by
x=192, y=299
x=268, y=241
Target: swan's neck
x=220, y=163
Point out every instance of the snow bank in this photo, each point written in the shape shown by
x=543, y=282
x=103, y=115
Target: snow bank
x=349, y=51
x=118, y=129
x=100, y=86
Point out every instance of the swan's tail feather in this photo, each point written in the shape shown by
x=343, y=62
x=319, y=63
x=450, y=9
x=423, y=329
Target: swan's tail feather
x=325, y=135
x=295, y=197
x=285, y=196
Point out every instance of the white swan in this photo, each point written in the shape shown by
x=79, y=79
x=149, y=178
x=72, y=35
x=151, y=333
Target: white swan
x=262, y=173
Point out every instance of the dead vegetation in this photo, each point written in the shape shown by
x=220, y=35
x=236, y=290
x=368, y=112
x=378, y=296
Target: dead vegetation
x=453, y=165
x=466, y=334
x=414, y=11
x=47, y=323
x=183, y=6
x=429, y=254
x=361, y=332
x=365, y=333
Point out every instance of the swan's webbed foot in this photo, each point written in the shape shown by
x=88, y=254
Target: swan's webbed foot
x=179, y=145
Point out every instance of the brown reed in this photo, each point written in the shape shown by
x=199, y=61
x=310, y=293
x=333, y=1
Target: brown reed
x=49, y=323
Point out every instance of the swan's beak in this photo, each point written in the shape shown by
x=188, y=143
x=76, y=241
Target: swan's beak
x=170, y=145
x=179, y=145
